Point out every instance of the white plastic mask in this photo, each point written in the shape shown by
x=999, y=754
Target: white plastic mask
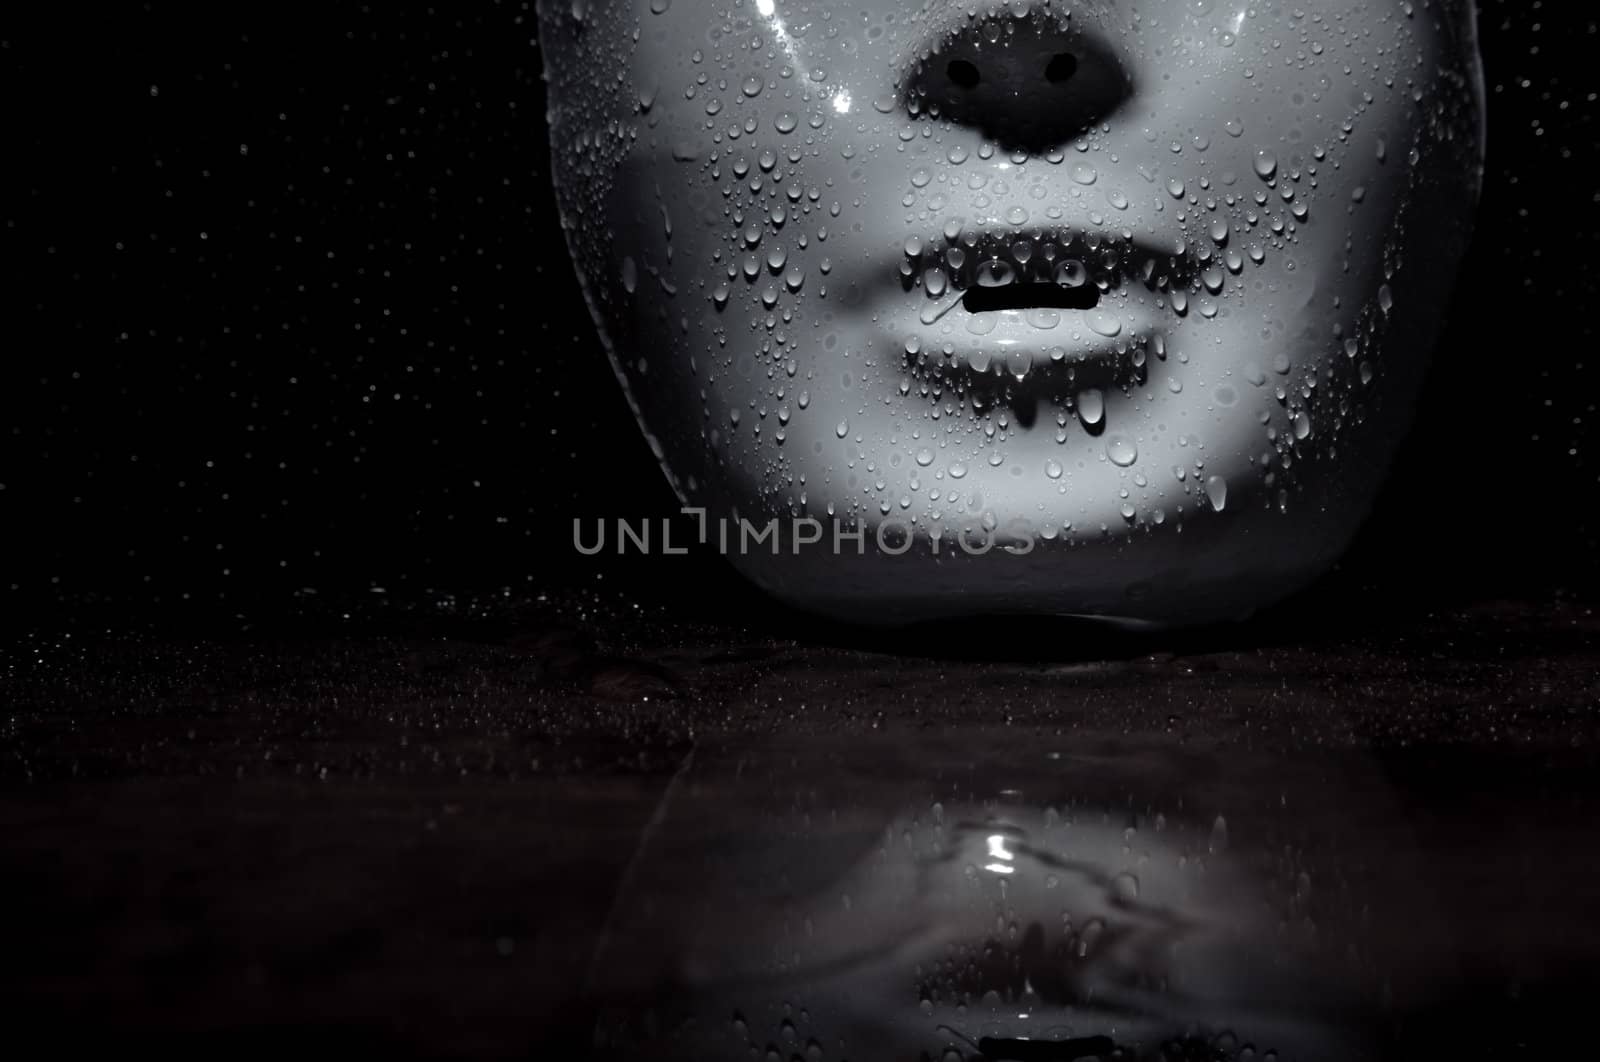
x=1102, y=308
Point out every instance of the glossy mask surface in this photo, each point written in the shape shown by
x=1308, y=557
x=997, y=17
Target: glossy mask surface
x=1111, y=308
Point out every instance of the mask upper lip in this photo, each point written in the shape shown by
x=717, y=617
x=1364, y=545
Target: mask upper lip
x=1000, y=267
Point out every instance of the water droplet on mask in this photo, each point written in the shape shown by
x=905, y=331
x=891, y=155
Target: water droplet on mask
x=1121, y=450
x=1091, y=406
x=1071, y=273
x=843, y=429
x=630, y=274
x=1083, y=173
x=1105, y=324
x=1217, y=492
x=1266, y=165
x=995, y=273
x=1052, y=468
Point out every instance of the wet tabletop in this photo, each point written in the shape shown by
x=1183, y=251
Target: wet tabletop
x=578, y=823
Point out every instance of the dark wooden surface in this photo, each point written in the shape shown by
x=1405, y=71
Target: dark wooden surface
x=400, y=828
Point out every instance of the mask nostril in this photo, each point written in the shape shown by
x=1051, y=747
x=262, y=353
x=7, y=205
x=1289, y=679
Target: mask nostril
x=1026, y=82
x=963, y=73
x=1062, y=66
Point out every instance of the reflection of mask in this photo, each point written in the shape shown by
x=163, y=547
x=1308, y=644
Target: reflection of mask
x=883, y=906
x=1095, y=308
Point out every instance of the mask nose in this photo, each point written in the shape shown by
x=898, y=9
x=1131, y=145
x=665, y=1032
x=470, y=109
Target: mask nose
x=1029, y=82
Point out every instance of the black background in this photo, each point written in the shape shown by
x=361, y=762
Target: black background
x=288, y=308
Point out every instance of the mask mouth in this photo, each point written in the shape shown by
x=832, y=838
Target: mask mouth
x=1030, y=295
x=1040, y=269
